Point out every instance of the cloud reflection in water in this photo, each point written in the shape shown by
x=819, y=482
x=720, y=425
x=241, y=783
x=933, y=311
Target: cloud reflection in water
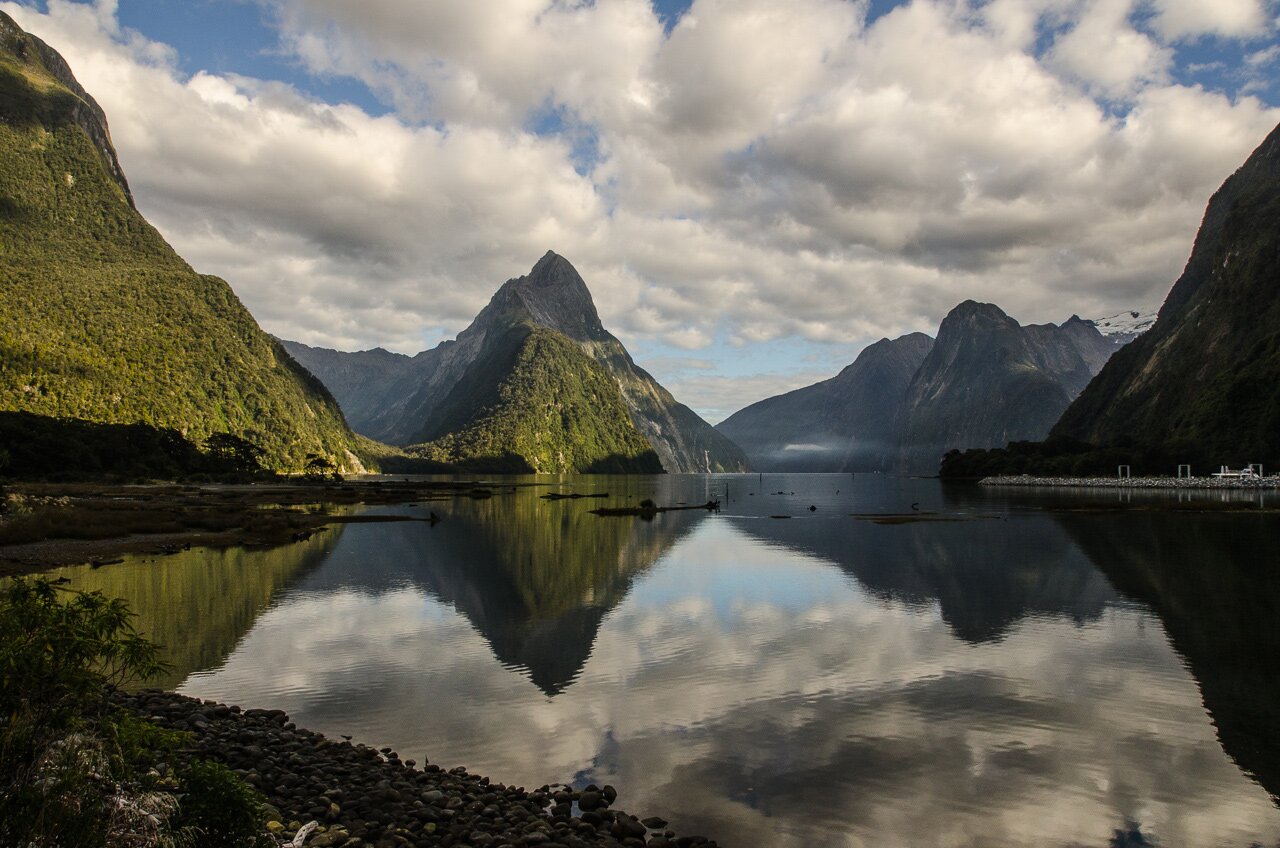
x=942, y=684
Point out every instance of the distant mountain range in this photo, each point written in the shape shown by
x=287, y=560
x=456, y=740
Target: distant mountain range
x=903, y=403
x=535, y=383
x=846, y=423
x=102, y=321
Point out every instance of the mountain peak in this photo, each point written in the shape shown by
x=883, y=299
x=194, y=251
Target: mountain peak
x=973, y=308
x=972, y=315
x=551, y=261
x=553, y=295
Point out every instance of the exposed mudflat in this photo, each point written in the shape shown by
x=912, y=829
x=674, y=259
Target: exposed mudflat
x=45, y=525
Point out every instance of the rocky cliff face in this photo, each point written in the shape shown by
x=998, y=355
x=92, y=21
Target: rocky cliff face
x=100, y=320
x=1203, y=380
x=847, y=423
x=416, y=399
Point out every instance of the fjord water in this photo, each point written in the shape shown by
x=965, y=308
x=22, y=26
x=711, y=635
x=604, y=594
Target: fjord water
x=906, y=664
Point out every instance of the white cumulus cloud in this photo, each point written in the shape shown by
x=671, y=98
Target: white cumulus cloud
x=1190, y=18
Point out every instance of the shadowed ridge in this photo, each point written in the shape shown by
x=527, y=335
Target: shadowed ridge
x=988, y=381
x=845, y=423
x=1201, y=382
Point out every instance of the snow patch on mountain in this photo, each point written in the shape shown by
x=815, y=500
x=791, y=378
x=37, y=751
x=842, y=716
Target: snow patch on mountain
x=1124, y=327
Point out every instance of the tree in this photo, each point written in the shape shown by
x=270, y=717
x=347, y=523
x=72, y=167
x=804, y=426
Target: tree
x=234, y=453
x=320, y=468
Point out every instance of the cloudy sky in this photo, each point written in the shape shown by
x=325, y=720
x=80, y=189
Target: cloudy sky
x=753, y=190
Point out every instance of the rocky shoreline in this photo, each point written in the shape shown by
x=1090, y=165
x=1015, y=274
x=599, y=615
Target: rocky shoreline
x=1261, y=483
x=339, y=793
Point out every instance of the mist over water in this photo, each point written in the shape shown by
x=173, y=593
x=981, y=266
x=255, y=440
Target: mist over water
x=904, y=664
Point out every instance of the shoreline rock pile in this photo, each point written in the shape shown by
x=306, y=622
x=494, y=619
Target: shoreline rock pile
x=367, y=798
x=1272, y=482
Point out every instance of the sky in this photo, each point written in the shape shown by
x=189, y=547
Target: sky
x=753, y=191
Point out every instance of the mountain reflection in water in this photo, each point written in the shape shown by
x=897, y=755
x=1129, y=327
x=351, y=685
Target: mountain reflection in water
x=533, y=577
x=817, y=680
x=198, y=604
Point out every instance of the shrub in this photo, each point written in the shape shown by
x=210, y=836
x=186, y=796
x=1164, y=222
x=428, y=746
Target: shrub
x=219, y=808
x=57, y=658
x=73, y=771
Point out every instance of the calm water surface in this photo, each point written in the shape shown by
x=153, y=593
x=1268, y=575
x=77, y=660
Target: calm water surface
x=1017, y=668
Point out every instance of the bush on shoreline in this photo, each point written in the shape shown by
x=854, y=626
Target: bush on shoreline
x=76, y=771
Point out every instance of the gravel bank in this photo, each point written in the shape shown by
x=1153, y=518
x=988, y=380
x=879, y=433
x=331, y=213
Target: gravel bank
x=1272, y=482
x=364, y=797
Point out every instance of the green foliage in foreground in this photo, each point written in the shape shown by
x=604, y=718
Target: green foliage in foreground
x=74, y=772
x=100, y=320
x=539, y=404
x=220, y=807
x=56, y=656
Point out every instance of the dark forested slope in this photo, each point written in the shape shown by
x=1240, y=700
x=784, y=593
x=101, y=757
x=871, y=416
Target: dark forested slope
x=1204, y=382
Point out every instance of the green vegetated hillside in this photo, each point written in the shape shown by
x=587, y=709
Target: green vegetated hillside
x=536, y=403
x=100, y=319
x=408, y=400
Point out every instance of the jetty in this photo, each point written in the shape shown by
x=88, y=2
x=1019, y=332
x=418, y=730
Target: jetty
x=1215, y=481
